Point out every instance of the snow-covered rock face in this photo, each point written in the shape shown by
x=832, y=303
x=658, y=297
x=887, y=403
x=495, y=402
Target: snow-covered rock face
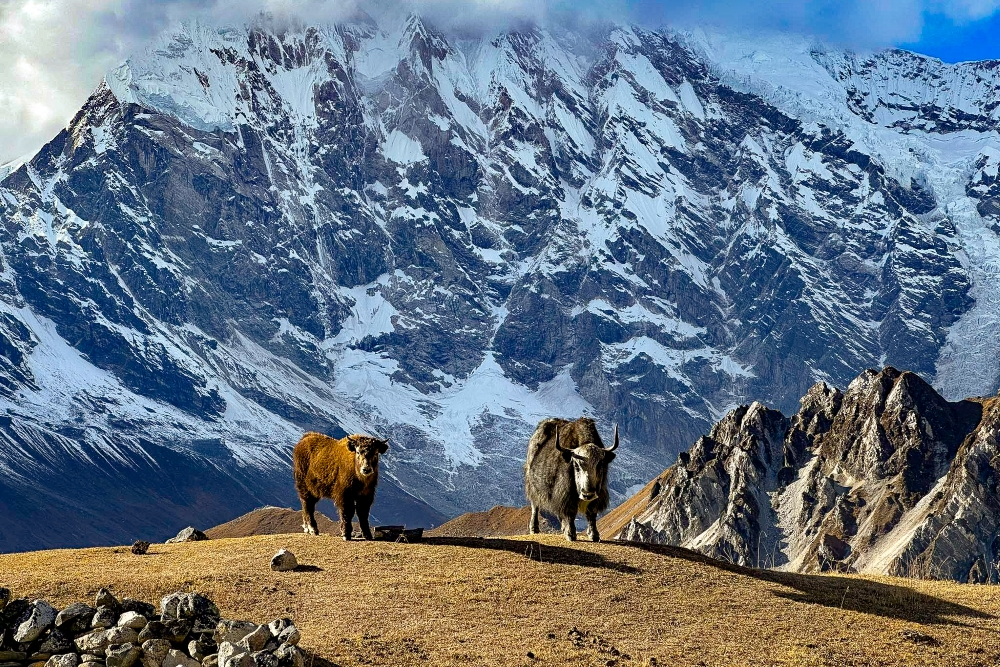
x=886, y=477
x=376, y=227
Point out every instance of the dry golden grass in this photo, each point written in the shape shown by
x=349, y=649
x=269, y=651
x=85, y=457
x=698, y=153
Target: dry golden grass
x=470, y=601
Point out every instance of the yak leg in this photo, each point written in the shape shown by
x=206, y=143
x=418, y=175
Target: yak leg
x=569, y=527
x=309, y=526
x=347, y=517
x=533, y=522
x=364, y=507
x=592, y=526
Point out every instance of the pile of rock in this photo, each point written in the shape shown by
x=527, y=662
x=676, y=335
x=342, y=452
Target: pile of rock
x=188, y=631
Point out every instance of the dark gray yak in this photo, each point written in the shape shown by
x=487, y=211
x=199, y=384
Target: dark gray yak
x=567, y=473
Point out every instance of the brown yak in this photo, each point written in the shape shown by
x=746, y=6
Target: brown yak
x=345, y=471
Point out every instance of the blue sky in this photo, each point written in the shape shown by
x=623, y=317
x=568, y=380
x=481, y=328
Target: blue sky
x=942, y=38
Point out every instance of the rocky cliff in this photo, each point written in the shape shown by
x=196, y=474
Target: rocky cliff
x=885, y=477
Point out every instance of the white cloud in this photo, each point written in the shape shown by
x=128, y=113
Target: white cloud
x=53, y=53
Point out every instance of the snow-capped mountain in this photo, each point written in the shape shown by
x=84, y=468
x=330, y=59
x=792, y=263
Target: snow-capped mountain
x=885, y=477
x=377, y=226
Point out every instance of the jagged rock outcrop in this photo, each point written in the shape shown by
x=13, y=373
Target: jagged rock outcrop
x=885, y=477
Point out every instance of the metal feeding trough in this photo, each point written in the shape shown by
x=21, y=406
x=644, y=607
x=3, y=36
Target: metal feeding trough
x=398, y=534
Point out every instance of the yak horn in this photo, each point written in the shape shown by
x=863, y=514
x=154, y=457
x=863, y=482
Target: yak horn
x=615, y=445
x=558, y=446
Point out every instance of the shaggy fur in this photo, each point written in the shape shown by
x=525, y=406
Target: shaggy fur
x=334, y=469
x=549, y=479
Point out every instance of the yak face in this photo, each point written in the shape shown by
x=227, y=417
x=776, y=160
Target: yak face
x=590, y=464
x=366, y=452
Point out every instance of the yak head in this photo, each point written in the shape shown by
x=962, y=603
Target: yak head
x=589, y=461
x=366, y=452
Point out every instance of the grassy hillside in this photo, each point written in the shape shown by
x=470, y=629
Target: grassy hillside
x=470, y=601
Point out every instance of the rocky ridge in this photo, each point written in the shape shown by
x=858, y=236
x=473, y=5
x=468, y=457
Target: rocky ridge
x=251, y=231
x=885, y=477
x=188, y=631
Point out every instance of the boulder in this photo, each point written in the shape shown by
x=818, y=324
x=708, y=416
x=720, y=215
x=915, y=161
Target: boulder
x=256, y=640
x=177, y=658
x=106, y=598
x=13, y=656
x=198, y=609
x=40, y=617
x=211, y=661
x=277, y=625
x=75, y=618
x=63, y=660
x=56, y=643
x=92, y=663
x=199, y=649
x=264, y=659
x=122, y=655
x=5, y=595
x=189, y=534
x=284, y=561
x=290, y=656
x=92, y=642
x=140, y=547
x=232, y=631
x=139, y=607
x=154, y=651
x=132, y=619
x=290, y=635
x=12, y=612
x=105, y=617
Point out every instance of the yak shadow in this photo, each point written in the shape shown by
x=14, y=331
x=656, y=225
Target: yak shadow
x=543, y=553
x=851, y=593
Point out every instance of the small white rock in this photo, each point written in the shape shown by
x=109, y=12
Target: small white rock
x=284, y=561
x=131, y=619
x=178, y=659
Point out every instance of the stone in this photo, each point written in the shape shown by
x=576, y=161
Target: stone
x=63, y=660
x=92, y=663
x=13, y=656
x=93, y=642
x=177, y=658
x=198, y=609
x=290, y=635
x=154, y=651
x=232, y=631
x=290, y=656
x=75, y=618
x=105, y=598
x=227, y=650
x=189, y=534
x=255, y=641
x=154, y=630
x=211, y=660
x=89, y=657
x=140, y=547
x=132, y=619
x=139, y=607
x=122, y=655
x=118, y=635
x=56, y=643
x=104, y=617
x=277, y=625
x=10, y=615
x=284, y=561
x=199, y=649
x=5, y=595
x=41, y=616
x=264, y=659
x=37, y=663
